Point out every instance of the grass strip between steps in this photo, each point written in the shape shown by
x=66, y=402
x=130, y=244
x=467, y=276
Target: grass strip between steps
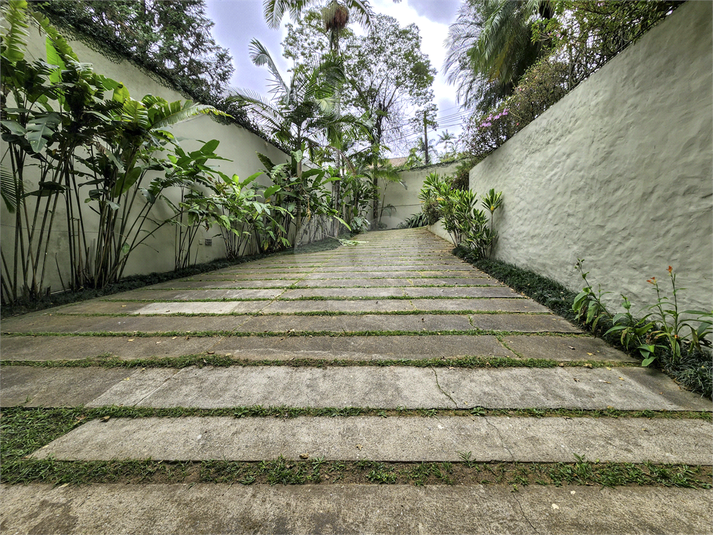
x=204, y=359
x=26, y=430
x=317, y=313
x=333, y=334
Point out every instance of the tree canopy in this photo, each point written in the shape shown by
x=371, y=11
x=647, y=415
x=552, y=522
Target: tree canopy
x=386, y=74
x=170, y=37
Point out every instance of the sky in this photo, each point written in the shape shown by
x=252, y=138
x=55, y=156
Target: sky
x=237, y=22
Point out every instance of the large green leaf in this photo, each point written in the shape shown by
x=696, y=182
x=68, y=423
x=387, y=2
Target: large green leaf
x=176, y=112
x=59, y=43
x=15, y=38
x=14, y=127
x=135, y=112
x=40, y=129
x=266, y=162
x=125, y=182
x=54, y=58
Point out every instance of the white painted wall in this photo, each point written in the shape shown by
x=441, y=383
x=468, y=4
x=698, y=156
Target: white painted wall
x=406, y=199
x=236, y=143
x=619, y=172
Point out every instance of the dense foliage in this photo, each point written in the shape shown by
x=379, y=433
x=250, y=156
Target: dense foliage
x=170, y=37
x=509, y=67
x=87, y=164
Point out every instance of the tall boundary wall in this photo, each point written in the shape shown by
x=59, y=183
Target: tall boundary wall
x=405, y=199
x=236, y=144
x=619, y=172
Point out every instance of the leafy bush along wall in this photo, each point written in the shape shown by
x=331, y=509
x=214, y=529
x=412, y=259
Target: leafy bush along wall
x=235, y=153
x=619, y=172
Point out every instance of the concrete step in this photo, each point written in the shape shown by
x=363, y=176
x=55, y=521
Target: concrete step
x=379, y=387
x=393, y=439
x=49, y=323
x=358, y=348
x=337, y=508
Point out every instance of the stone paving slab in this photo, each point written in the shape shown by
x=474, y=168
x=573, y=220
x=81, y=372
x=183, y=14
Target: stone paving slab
x=532, y=323
x=361, y=323
x=199, y=307
x=360, y=347
x=37, y=348
x=165, y=307
x=55, y=387
x=403, y=305
x=472, y=291
x=201, y=508
x=394, y=439
x=122, y=324
x=376, y=283
x=289, y=323
x=480, y=305
x=220, y=282
x=419, y=275
x=457, y=269
x=565, y=349
x=598, y=388
x=381, y=387
x=194, y=294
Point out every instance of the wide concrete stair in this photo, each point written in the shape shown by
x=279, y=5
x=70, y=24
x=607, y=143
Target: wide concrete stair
x=389, y=350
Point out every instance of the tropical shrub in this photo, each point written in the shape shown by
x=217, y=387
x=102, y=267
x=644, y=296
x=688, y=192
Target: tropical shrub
x=664, y=333
x=300, y=199
x=93, y=148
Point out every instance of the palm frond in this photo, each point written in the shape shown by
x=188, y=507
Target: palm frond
x=8, y=189
x=15, y=37
x=260, y=56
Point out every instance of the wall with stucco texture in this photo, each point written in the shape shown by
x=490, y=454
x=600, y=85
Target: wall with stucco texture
x=236, y=144
x=619, y=172
x=405, y=200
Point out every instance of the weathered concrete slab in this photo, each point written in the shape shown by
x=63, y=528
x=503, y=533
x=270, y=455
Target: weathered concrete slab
x=565, y=349
x=523, y=323
x=195, y=294
x=395, y=439
x=361, y=323
x=137, y=387
x=343, y=292
x=201, y=307
x=358, y=305
x=293, y=387
x=463, y=291
x=480, y=305
x=583, y=388
x=359, y=347
x=458, y=269
x=55, y=387
x=337, y=508
x=425, y=275
x=124, y=324
x=167, y=307
x=393, y=387
x=221, y=282
x=37, y=348
x=472, y=291
x=375, y=283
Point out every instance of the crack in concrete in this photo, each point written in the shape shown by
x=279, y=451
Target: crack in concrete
x=443, y=391
x=500, y=436
x=522, y=511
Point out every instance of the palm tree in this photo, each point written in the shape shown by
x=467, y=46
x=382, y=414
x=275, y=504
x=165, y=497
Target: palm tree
x=335, y=16
x=490, y=47
x=297, y=104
